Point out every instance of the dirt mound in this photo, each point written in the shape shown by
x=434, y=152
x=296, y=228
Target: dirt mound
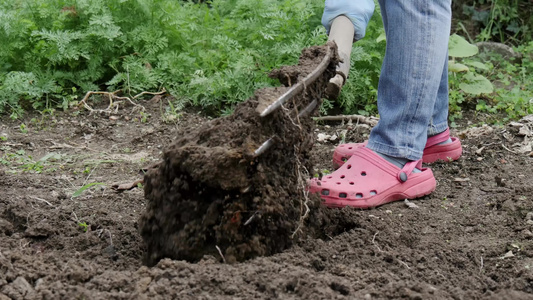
x=212, y=195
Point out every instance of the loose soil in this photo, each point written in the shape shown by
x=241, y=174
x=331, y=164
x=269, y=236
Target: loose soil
x=212, y=191
x=470, y=239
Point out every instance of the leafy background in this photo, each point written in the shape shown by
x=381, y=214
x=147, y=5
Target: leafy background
x=214, y=55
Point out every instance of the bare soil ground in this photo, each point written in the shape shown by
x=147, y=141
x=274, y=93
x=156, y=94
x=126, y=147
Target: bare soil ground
x=470, y=239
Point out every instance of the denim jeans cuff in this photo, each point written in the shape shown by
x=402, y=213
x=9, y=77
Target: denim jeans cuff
x=436, y=129
x=402, y=152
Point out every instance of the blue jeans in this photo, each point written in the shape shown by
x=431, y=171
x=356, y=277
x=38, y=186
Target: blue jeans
x=413, y=85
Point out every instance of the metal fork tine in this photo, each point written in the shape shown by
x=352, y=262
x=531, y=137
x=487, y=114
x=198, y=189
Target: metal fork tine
x=266, y=145
x=295, y=89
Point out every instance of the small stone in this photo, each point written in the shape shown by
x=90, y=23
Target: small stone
x=527, y=233
x=529, y=222
x=321, y=137
x=529, y=216
x=410, y=204
x=38, y=283
x=508, y=255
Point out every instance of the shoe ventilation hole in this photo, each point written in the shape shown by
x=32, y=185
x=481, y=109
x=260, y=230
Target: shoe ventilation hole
x=349, y=167
x=363, y=173
x=338, y=183
x=352, y=183
x=329, y=177
x=373, y=193
x=344, y=159
x=343, y=195
x=350, y=148
x=358, y=195
x=325, y=192
x=342, y=176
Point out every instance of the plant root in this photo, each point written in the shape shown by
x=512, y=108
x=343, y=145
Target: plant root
x=115, y=100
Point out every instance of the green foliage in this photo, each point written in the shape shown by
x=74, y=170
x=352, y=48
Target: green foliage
x=514, y=95
x=84, y=226
x=459, y=47
x=471, y=82
x=210, y=56
x=19, y=161
x=84, y=188
x=475, y=84
x=214, y=56
x=473, y=88
x=501, y=20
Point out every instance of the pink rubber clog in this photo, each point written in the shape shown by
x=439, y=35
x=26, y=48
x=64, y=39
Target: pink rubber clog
x=432, y=152
x=367, y=180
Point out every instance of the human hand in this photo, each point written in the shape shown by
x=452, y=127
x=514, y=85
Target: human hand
x=358, y=11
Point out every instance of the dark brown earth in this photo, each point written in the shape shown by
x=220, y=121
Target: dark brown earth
x=470, y=239
x=211, y=192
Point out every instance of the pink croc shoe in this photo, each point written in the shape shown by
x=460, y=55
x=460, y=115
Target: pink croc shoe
x=367, y=180
x=432, y=152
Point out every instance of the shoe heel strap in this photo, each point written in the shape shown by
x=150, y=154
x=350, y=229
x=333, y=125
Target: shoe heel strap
x=407, y=169
x=438, y=138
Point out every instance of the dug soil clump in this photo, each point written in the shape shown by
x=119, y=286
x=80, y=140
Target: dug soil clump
x=211, y=195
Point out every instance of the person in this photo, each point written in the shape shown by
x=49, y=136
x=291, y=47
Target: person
x=412, y=104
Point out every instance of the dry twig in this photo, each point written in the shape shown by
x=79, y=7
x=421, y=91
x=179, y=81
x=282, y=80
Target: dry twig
x=304, y=207
x=405, y=264
x=113, y=96
x=481, y=266
x=42, y=200
x=221, y=255
x=374, y=242
x=508, y=149
x=372, y=121
x=117, y=187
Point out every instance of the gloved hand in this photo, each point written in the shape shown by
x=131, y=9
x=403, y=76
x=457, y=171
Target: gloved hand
x=358, y=11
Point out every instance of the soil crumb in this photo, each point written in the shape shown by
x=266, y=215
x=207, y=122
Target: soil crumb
x=210, y=195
